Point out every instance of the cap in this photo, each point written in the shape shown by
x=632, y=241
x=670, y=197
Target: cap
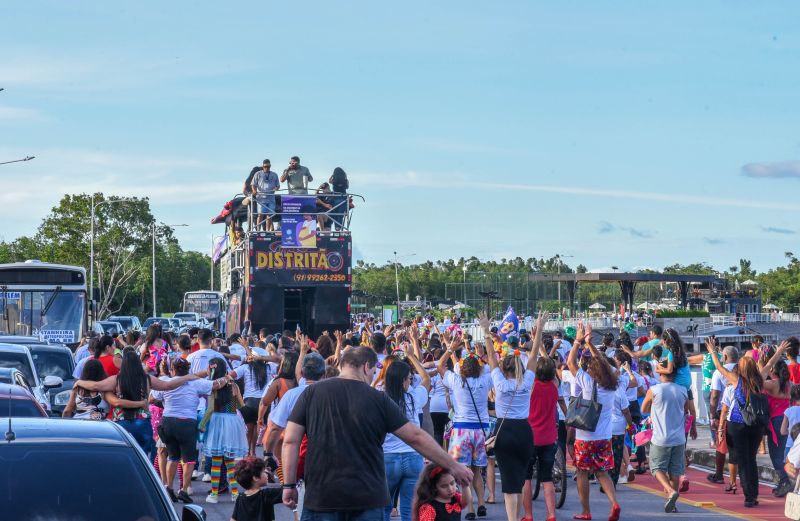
x=642, y=340
x=512, y=340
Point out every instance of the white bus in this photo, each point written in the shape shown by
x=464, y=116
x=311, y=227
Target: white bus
x=208, y=304
x=45, y=300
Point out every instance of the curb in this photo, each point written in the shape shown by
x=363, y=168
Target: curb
x=707, y=459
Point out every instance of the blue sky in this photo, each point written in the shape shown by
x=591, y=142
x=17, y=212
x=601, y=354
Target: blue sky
x=622, y=134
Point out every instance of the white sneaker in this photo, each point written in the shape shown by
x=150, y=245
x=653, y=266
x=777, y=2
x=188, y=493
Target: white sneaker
x=189, y=491
x=212, y=498
x=196, y=474
x=623, y=478
x=206, y=478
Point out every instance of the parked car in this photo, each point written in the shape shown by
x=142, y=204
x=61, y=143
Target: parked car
x=19, y=357
x=190, y=319
x=98, y=457
x=128, y=322
x=108, y=327
x=55, y=361
x=165, y=325
x=17, y=402
x=11, y=376
x=20, y=340
x=177, y=326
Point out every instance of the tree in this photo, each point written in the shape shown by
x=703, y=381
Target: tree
x=123, y=256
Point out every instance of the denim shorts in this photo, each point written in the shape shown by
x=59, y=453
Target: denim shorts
x=265, y=204
x=667, y=459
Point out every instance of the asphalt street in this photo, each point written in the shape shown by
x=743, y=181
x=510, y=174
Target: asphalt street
x=637, y=505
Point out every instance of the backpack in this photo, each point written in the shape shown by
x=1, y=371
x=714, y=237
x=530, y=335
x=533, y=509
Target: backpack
x=755, y=411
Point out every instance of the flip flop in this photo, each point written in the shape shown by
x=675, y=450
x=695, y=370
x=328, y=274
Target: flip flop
x=583, y=517
x=669, y=506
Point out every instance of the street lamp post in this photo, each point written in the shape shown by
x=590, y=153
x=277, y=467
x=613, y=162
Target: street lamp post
x=466, y=265
x=397, y=280
x=91, y=239
x=558, y=267
x=155, y=314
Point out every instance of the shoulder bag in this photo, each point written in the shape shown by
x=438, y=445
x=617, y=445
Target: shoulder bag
x=792, y=507
x=491, y=440
x=584, y=414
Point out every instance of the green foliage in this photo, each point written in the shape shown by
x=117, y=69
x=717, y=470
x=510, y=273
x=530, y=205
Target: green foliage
x=123, y=252
x=681, y=313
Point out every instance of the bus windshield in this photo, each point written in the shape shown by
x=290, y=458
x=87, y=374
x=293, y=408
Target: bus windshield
x=56, y=315
x=207, y=308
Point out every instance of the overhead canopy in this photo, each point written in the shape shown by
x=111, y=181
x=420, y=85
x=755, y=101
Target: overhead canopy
x=769, y=306
x=597, y=305
x=749, y=282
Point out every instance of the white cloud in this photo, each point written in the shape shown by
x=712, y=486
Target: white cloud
x=780, y=169
x=18, y=113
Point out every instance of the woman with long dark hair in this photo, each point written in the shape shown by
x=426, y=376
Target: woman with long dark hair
x=470, y=399
x=153, y=349
x=778, y=387
x=593, y=448
x=127, y=392
x=403, y=464
x=256, y=377
x=226, y=438
x=285, y=379
x=87, y=404
x=743, y=440
x=104, y=353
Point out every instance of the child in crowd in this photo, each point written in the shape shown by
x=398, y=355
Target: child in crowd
x=255, y=503
x=791, y=417
x=436, y=497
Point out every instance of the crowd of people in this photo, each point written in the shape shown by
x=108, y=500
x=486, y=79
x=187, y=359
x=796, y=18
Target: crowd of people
x=340, y=418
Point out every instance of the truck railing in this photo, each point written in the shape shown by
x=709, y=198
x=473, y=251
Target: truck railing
x=340, y=214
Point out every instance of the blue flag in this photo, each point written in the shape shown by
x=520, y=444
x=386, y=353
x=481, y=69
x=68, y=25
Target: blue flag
x=509, y=325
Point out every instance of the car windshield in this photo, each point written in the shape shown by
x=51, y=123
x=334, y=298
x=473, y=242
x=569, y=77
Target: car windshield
x=57, y=316
x=17, y=361
x=23, y=408
x=124, y=322
x=94, y=488
x=52, y=363
x=185, y=316
x=206, y=307
x=150, y=321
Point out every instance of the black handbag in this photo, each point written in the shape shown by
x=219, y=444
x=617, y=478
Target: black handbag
x=755, y=412
x=584, y=414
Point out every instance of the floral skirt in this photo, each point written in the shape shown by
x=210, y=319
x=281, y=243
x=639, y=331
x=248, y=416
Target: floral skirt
x=594, y=455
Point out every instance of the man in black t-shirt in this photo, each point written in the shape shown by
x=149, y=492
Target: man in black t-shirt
x=346, y=421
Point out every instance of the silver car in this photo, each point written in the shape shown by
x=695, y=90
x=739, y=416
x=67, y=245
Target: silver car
x=19, y=357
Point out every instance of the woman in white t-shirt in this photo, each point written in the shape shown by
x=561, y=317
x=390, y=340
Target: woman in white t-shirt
x=256, y=375
x=440, y=408
x=593, y=448
x=403, y=464
x=469, y=396
x=513, y=384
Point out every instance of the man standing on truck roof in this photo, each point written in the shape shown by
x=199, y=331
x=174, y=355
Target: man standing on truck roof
x=297, y=176
x=265, y=183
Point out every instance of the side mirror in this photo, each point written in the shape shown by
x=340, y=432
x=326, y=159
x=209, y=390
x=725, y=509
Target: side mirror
x=53, y=381
x=193, y=513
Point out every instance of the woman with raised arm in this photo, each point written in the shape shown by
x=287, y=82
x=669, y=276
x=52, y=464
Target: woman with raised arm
x=513, y=383
x=778, y=388
x=743, y=440
x=593, y=448
x=470, y=397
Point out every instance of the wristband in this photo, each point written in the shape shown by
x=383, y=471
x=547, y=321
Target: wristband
x=289, y=486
